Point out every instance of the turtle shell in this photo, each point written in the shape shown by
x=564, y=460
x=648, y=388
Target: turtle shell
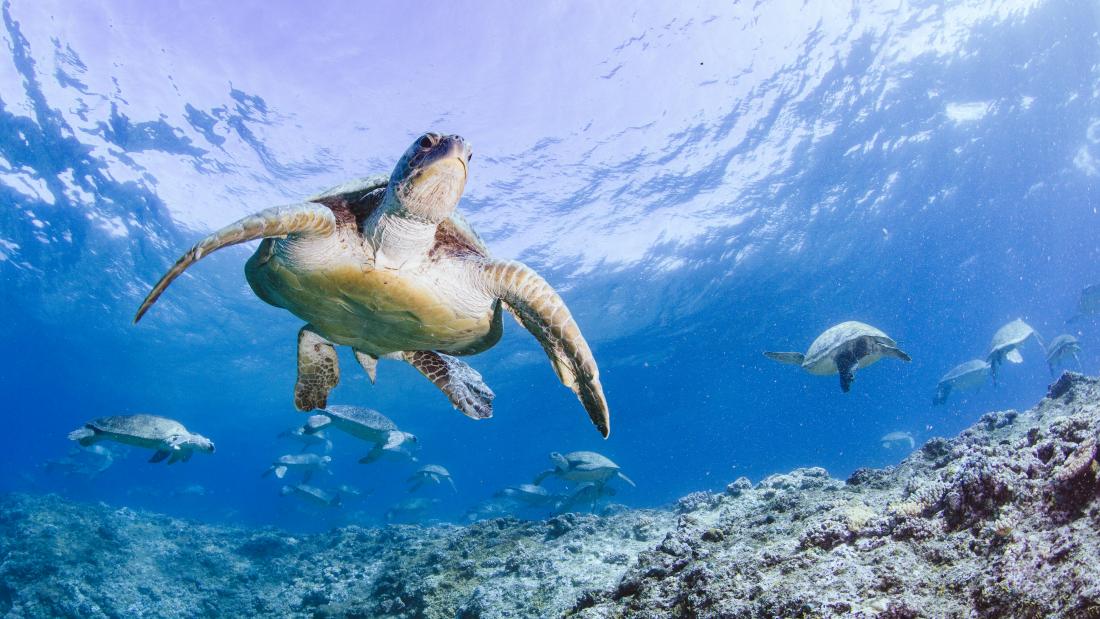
x=358, y=415
x=1010, y=335
x=433, y=469
x=589, y=461
x=828, y=343
x=964, y=371
x=145, y=427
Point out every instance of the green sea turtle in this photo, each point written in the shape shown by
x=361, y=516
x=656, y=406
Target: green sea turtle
x=1060, y=347
x=307, y=463
x=842, y=349
x=963, y=377
x=582, y=466
x=312, y=494
x=388, y=267
x=1006, y=345
x=1088, y=304
x=898, y=436
x=431, y=474
x=316, y=439
x=528, y=494
x=586, y=494
x=410, y=509
x=368, y=425
x=167, y=436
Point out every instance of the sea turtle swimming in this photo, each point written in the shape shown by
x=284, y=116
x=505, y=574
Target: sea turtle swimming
x=167, y=436
x=582, y=466
x=963, y=377
x=1006, y=343
x=587, y=494
x=86, y=462
x=410, y=509
x=316, y=439
x=528, y=494
x=1088, y=304
x=365, y=424
x=431, y=474
x=899, y=436
x=842, y=349
x=388, y=267
x=312, y=494
x=1060, y=347
x=307, y=463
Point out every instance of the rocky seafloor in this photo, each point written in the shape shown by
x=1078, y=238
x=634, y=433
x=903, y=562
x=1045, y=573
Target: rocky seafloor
x=1001, y=521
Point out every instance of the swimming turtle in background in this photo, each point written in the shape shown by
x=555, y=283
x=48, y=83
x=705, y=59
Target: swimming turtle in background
x=1006, y=344
x=899, y=436
x=1088, y=304
x=410, y=509
x=581, y=466
x=312, y=494
x=431, y=474
x=368, y=425
x=388, y=267
x=587, y=493
x=307, y=463
x=167, y=436
x=527, y=494
x=316, y=439
x=963, y=377
x=842, y=349
x=1060, y=347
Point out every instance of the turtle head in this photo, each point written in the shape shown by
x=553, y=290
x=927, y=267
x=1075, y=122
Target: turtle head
x=200, y=443
x=559, y=461
x=430, y=177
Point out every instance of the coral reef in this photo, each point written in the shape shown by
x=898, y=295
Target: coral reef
x=1001, y=521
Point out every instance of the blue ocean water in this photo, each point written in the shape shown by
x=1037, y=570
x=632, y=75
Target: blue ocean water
x=700, y=183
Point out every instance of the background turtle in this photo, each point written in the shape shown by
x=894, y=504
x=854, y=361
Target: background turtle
x=963, y=377
x=312, y=494
x=1006, y=344
x=365, y=424
x=167, y=436
x=581, y=466
x=898, y=436
x=388, y=267
x=1061, y=346
x=584, y=495
x=315, y=439
x=530, y=495
x=842, y=349
x=1088, y=304
x=431, y=474
x=306, y=463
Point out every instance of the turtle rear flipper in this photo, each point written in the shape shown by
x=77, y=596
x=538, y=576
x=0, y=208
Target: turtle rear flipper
x=461, y=383
x=369, y=363
x=790, y=358
x=318, y=370
x=545, y=315
x=845, y=366
x=306, y=218
x=160, y=455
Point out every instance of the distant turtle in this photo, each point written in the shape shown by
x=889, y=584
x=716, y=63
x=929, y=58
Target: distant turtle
x=963, y=377
x=307, y=463
x=410, y=509
x=433, y=474
x=167, y=436
x=1060, y=347
x=527, y=494
x=496, y=507
x=388, y=267
x=1088, y=304
x=312, y=494
x=842, y=349
x=86, y=462
x=587, y=494
x=365, y=424
x=316, y=439
x=898, y=437
x=1006, y=343
x=582, y=466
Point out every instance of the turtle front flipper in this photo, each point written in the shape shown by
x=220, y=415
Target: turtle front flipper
x=462, y=383
x=544, y=314
x=318, y=370
x=304, y=218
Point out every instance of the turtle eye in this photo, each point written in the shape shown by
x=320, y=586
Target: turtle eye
x=427, y=141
